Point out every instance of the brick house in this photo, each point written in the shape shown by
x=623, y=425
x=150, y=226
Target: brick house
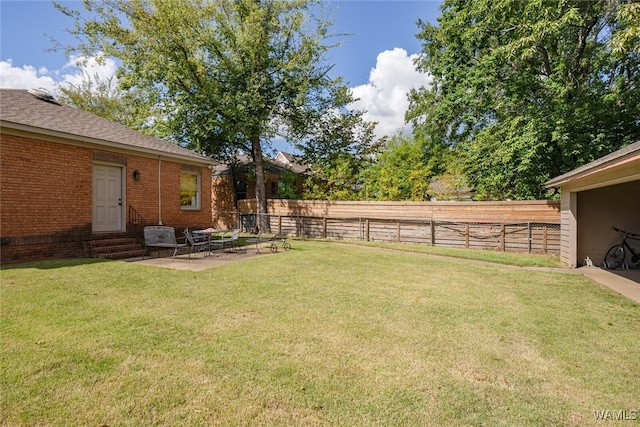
x=234, y=181
x=70, y=177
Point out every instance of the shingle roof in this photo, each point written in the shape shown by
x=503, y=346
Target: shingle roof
x=292, y=161
x=628, y=151
x=19, y=109
x=273, y=165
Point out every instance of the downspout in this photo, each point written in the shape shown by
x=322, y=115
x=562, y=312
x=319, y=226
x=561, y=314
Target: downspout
x=159, y=190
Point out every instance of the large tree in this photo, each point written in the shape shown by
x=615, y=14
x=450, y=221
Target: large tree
x=338, y=148
x=223, y=75
x=104, y=97
x=526, y=90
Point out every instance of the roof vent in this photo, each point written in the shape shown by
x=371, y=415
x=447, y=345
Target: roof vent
x=43, y=95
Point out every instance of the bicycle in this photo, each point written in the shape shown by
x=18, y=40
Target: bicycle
x=617, y=253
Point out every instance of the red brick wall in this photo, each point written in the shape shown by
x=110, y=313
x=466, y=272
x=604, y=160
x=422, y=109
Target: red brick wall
x=172, y=214
x=142, y=195
x=46, y=196
x=223, y=203
x=46, y=187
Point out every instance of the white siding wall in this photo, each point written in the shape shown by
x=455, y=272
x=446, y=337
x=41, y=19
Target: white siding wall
x=568, y=226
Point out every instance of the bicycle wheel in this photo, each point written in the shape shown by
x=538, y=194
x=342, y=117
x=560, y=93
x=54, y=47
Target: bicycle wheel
x=614, y=257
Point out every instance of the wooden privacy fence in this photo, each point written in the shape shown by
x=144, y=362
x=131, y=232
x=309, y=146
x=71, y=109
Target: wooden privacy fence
x=516, y=237
x=523, y=226
x=500, y=212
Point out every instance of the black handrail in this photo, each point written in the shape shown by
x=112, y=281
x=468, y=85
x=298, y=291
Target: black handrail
x=135, y=223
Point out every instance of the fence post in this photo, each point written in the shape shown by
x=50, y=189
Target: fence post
x=433, y=232
x=367, y=228
x=398, y=233
x=466, y=237
x=279, y=224
x=529, y=236
x=502, y=238
x=324, y=227
x=544, y=239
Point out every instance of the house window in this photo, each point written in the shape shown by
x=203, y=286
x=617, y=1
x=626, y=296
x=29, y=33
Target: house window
x=241, y=190
x=189, y=190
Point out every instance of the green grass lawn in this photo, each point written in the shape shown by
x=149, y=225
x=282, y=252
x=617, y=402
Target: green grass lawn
x=324, y=334
x=498, y=257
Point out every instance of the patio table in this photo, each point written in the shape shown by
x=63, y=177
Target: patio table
x=209, y=233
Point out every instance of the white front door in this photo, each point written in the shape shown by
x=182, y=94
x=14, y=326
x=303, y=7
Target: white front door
x=107, y=198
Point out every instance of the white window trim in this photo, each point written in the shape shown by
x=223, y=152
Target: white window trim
x=198, y=205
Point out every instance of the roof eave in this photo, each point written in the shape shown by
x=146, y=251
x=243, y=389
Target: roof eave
x=100, y=142
x=630, y=152
x=586, y=171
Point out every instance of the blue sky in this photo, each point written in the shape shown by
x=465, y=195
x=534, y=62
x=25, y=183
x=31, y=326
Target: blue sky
x=376, y=60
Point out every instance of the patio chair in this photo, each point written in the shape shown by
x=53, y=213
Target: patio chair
x=232, y=242
x=157, y=236
x=197, y=242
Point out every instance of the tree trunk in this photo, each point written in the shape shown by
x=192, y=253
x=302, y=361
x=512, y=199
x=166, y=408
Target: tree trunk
x=261, y=196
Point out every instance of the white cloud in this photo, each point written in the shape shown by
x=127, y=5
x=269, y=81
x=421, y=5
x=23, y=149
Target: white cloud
x=28, y=77
x=385, y=95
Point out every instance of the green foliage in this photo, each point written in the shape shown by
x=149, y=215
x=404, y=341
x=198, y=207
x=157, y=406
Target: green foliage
x=104, y=98
x=525, y=91
x=329, y=135
x=400, y=172
x=627, y=36
x=340, y=147
x=287, y=185
x=337, y=180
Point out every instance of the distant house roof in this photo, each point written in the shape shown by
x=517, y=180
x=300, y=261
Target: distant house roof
x=225, y=168
x=629, y=153
x=293, y=161
x=277, y=165
x=34, y=112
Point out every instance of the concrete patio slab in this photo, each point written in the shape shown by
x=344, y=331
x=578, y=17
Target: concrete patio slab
x=625, y=282
x=197, y=262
